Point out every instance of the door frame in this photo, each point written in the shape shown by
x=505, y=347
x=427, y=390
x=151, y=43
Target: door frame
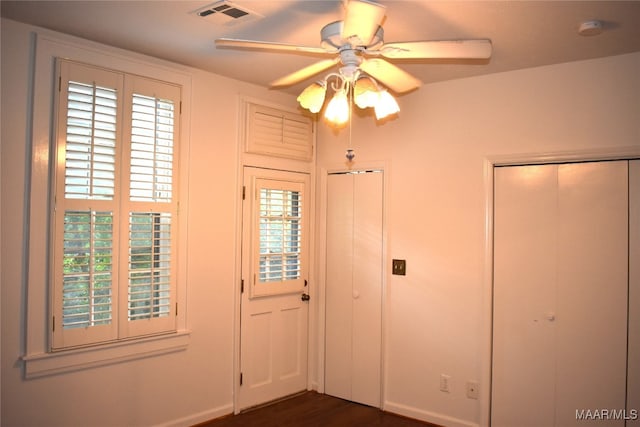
x=490, y=163
x=320, y=262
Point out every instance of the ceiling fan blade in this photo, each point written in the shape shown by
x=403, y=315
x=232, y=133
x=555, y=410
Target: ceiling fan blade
x=390, y=75
x=458, y=49
x=305, y=72
x=259, y=45
x=362, y=19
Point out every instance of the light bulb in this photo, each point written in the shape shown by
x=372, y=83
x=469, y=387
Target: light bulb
x=312, y=97
x=337, y=110
x=386, y=105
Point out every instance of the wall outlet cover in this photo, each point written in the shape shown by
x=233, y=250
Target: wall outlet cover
x=445, y=383
x=473, y=391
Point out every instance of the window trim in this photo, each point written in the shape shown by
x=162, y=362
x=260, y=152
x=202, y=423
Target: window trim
x=38, y=359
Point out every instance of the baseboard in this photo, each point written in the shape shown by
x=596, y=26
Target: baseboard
x=200, y=417
x=430, y=417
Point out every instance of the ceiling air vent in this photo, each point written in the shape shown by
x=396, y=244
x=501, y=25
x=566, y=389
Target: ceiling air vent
x=226, y=13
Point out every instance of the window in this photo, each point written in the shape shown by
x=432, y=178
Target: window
x=280, y=235
x=115, y=207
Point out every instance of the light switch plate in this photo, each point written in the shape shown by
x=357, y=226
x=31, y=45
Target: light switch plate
x=399, y=267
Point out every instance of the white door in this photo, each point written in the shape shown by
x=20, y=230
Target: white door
x=560, y=293
x=354, y=287
x=274, y=307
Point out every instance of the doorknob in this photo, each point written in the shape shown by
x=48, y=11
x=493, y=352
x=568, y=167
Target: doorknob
x=551, y=317
x=305, y=297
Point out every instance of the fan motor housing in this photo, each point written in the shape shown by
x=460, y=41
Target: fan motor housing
x=331, y=35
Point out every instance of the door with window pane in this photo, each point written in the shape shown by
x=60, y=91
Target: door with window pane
x=274, y=314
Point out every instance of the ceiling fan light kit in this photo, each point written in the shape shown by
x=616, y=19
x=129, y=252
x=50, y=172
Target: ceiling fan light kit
x=357, y=43
x=348, y=85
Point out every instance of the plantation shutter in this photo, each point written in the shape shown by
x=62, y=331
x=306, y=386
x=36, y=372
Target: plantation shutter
x=279, y=133
x=86, y=208
x=91, y=141
x=280, y=236
x=151, y=208
x=114, y=222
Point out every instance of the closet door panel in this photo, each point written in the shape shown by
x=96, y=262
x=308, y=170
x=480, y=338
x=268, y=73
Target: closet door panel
x=592, y=288
x=367, y=288
x=525, y=262
x=339, y=274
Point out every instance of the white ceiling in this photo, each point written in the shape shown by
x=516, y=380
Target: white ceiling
x=524, y=33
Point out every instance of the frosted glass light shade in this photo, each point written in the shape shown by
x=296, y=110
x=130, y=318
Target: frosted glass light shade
x=386, y=105
x=337, y=110
x=365, y=93
x=312, y=97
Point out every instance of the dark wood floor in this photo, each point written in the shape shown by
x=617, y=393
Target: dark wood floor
x=311, y=409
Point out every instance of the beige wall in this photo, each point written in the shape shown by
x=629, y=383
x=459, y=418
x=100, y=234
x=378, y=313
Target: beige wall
x=437, y=151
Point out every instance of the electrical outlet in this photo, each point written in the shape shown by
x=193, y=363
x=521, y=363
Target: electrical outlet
x=473, y=391
x=445, y=383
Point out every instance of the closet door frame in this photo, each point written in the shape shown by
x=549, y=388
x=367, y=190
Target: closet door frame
x=320, y=260
x=491, y=162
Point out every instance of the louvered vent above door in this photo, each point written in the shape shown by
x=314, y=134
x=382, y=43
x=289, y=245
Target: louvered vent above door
x=278, y=133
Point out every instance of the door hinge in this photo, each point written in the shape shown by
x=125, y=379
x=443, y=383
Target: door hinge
x=240, y=378
x=244, y=192
x=241, y=286
x=176, y=309
x=53, y=324
x=180, y=107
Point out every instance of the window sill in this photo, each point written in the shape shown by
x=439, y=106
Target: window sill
x=43, y=364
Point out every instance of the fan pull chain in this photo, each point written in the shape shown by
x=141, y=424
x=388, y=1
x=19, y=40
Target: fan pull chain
x=350, y=154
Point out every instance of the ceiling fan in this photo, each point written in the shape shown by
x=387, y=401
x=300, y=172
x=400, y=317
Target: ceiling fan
x=357, y=42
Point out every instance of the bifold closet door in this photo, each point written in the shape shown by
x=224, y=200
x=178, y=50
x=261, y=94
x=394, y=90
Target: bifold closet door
x=560, y=292
x=354, y=287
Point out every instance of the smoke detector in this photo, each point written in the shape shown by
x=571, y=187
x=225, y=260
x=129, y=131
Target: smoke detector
x=226, y=13
x=590, y=28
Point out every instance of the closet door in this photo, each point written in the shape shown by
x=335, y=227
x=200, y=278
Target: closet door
x=560, y=292
x=354, y=287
